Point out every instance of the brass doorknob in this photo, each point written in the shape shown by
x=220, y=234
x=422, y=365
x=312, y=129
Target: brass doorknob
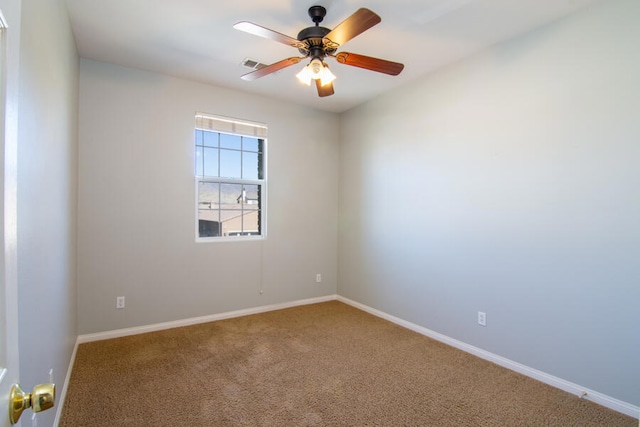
x=40, y=399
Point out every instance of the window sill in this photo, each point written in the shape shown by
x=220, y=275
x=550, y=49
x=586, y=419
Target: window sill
x=229, y=239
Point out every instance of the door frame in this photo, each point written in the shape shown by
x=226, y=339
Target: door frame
x=10, y=11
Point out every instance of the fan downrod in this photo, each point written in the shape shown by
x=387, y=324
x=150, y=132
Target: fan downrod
x=317, y=14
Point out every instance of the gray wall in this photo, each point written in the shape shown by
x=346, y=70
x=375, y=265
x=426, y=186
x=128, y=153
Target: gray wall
x=508, y=183
x=137, y=203
x=46, y=195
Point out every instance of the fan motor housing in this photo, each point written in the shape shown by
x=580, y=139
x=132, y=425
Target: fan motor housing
x=316, y=32
x=312, y=36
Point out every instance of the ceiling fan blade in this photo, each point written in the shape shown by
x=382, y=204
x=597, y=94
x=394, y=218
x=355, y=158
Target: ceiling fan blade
x=370, y=63
x=326, y=90
x=271, y=68
x=257, y=30
x=356, y=24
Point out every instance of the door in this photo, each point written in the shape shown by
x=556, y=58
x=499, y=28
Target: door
x=9, y=59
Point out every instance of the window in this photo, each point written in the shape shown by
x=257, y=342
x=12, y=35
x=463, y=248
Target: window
x=230, y=178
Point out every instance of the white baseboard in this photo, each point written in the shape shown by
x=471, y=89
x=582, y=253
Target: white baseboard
x=197, y=320
x=585, y=393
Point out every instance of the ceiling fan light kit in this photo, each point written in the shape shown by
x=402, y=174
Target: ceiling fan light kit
x=318, y=43
x=314, y=71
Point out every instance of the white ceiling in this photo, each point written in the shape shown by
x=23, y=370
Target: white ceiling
x=195, y=39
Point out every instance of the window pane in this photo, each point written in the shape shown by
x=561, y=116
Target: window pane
x=230, y=164
x=250, y=165
x=231, y=222
x=210, y=139
x=210, y=161
x=250, y=223
x=208, y=196
x=199, y=159
x=249, y=144
x=231, y=196
x=208, y=223
x=198, y=137
x=250, y=197
x=208, y=213
x=230, y=141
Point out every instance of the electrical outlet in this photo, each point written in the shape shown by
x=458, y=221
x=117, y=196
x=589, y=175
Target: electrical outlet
x=119, y=302
x=482, y=318
x=318, y=278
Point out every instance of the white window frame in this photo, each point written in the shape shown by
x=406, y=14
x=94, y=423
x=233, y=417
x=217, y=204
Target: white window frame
x=213, y=123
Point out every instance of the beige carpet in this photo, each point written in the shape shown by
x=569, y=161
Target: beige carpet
x=319, y=365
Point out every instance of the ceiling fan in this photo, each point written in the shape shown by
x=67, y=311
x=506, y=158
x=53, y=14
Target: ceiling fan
x=317, y=43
